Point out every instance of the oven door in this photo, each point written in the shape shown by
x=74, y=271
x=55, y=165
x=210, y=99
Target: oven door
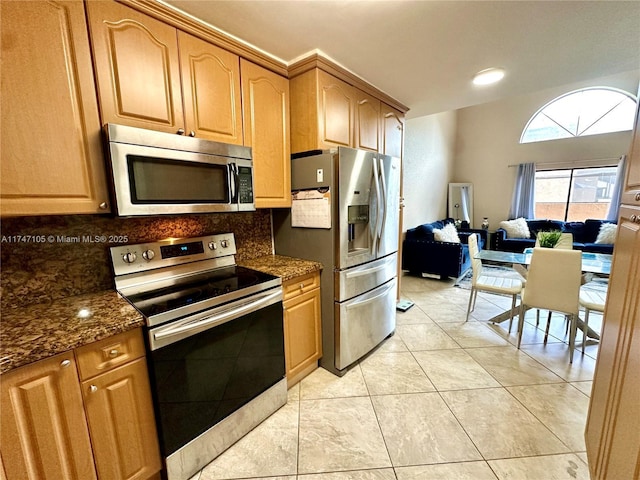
x=205, y=367
x=149, y=180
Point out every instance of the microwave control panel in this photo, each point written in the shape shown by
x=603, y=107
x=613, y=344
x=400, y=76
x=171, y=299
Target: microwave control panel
x=245, y=188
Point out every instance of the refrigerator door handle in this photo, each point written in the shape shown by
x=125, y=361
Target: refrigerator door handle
x=375, y=234
x=383, y=204
x=372, y=298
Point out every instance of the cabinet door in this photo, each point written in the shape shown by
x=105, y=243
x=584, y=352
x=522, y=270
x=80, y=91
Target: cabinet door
x=211, y=90
x=51, y=160
x=367, y=122
x=121, y=423
x=44, y=430
x=265, y=100
x=302, y=334
x=392, y=131
x=137, y=68
x=336, y=112
x=612, y=440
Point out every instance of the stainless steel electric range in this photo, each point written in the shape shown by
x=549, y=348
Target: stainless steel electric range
x=215, y=343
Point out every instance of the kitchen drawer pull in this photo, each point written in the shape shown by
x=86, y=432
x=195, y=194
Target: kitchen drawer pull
x=114, y=353
x=65, y=363
x=93, y=389
x=180, y=131
x=301, y=286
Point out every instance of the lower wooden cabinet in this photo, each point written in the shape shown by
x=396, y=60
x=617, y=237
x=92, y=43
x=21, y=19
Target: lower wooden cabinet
x=119, y=408
x=44, y=430
x=55, y=410
x=302, y=326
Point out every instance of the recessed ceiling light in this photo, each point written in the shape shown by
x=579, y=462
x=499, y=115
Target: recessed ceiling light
x=488, y=76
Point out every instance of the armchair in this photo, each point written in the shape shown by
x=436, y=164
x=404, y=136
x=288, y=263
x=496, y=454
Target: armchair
x=422, y=253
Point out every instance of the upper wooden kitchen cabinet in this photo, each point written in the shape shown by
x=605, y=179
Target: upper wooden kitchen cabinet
x=392, y=131
x=137, y=68
x=367, y=126
x=265, y=100
x=51, y=160
x=323, y=112
x=211, y=90
x=44, y=433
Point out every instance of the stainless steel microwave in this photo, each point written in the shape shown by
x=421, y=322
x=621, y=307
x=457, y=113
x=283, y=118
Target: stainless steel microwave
x=155, y=173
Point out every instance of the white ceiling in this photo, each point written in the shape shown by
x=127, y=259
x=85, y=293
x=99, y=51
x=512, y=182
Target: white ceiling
x=424, y=53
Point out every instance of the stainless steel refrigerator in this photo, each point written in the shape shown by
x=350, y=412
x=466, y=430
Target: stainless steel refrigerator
x=344, y=214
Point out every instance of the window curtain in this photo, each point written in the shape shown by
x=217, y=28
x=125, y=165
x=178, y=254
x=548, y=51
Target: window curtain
x=616, y=196
x=523, y=201
x=464, y=200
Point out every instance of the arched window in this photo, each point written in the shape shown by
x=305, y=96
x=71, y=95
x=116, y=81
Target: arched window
x=582, y=112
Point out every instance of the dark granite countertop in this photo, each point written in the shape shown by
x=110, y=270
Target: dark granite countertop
x=282, y=266
x=40, y=331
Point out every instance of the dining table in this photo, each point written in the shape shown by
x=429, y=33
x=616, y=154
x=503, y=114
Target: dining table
x=598, y=264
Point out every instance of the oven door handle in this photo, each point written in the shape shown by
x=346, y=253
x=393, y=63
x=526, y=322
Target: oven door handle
x=189, y=327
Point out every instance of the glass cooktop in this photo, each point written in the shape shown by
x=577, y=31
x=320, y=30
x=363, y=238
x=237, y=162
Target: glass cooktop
x=198, y=288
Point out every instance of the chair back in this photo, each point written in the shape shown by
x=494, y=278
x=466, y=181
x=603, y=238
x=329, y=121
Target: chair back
x=553, y=281
x=476, y=263
x=566, y=241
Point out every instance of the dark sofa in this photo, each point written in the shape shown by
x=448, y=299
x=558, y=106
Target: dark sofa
x=421, y=253
x=584, y=235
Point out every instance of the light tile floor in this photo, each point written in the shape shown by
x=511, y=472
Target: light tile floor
x=441, y=399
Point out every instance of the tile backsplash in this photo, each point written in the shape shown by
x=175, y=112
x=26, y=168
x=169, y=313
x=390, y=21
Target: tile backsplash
x=51, y=257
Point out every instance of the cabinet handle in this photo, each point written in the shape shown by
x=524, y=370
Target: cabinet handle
x=192, y=133
x=65, y=363
x=103, y=206
x=93, y=389
x=113, y=353
x=301, y=286
x=180, y=131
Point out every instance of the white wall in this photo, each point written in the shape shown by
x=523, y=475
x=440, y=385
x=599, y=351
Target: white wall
x=487, y=142
x=428, y=167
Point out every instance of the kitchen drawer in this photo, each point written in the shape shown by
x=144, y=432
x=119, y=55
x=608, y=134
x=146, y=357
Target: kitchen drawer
x=300, y=285
x=107, y=354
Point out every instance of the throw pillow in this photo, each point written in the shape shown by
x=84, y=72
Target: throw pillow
x=607, y=233
x=517, y=228
x=447, y=234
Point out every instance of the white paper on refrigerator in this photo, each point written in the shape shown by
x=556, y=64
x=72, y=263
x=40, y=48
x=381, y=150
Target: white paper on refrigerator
x=311, y=208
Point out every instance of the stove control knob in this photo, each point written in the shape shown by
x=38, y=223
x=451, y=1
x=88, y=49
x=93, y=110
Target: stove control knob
x=224, y=243
x=148, y=254
x=213, y=246
x=129, y=257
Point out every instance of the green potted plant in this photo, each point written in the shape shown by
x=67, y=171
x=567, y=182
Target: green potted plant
x=549, y=239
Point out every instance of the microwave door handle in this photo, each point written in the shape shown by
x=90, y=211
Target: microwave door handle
x=234, y=184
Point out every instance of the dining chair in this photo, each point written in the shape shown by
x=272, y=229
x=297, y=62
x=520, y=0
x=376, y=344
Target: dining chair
x=565, y=242
x=593, y=296
x=484, y=281
x=553, y=283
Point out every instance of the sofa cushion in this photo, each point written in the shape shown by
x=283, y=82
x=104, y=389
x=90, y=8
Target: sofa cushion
x=592, y=228
x=446, y=234
x=607, y=233
x=536, y=226
x=579, y=231
x=516, y=228
x=598, y=248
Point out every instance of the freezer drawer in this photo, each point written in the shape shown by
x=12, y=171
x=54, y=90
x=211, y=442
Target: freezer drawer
x=357, y=280
x=363, y=322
